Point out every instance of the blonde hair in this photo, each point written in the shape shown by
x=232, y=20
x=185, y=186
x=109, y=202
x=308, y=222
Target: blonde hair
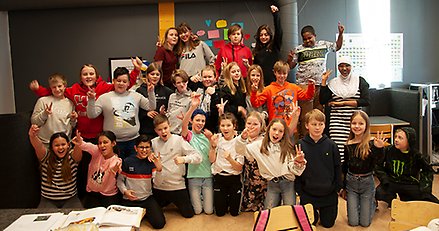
x=363, y=149
x=260, y=118
x=281, y=66
x=248, y=81
x=57, y=77
x=228, y=81
x=315, y=114
x=286, y=146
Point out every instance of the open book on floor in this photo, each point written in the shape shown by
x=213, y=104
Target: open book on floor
x=36, y=222
x=113, y=216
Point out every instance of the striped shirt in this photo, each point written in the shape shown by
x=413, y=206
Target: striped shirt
x=339, y=124
x=58, y=189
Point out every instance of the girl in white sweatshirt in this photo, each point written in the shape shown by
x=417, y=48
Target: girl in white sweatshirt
x=277, y=163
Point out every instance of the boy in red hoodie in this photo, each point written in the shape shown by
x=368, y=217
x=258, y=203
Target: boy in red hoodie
x=235, y=51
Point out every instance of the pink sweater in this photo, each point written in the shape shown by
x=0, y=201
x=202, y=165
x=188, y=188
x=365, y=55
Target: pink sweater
x=101, y=176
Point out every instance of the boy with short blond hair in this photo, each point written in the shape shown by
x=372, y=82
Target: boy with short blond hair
x=169, y=184
x=281, y=94
x=54, y=113
x=321, y=181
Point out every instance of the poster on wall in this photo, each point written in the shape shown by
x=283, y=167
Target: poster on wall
x=375, y=58
x=120, y=62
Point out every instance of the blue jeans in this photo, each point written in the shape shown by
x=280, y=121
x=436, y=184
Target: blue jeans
x=360, y=193
x=284, y=189
x=201, y=193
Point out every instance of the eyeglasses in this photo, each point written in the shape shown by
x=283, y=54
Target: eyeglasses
x=144, y=147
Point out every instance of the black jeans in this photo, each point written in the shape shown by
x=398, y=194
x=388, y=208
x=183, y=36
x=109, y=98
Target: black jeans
x=406, y=192
x=95, y=199
x=178, y=197
x=227, y=193
x=154, y=213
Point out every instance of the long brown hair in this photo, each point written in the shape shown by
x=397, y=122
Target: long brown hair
x=165, y=39
x=155, y=67
x=259, y=45
x=52, y=158
x=191, y=43
x=363, y=148
x=286, y=147
x=228, y=81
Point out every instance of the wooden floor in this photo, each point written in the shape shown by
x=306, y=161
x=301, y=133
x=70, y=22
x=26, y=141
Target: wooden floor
x=245, y=220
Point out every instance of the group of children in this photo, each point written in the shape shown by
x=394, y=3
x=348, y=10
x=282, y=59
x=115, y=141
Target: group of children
x=196, y=136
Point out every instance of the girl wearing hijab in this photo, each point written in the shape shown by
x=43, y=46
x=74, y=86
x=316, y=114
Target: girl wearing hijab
x=342, y=96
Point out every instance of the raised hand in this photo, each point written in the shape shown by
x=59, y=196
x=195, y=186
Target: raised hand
x=246, y=63
x=153, y=158
x=224, y=63
x=210, y=90
x=91, y=94
x=180, y=116
x=244, y=133
x=77, y=140
x=73, y=115
x=116, y=168
x=207, y=133
x=214, y=140
x=33, y=130
x=221, y=106
x=34, y=85
x=162, y=110
x=299, y=159
x=152, y=114
x=274, y=9
x=196, y=78
x=48, y=109
x=195, y=99
x=137, y=63
x=150, y=86
x=340, y=28
x=295, y=109
x=243, y=111
x=380, y=141
x=159, y=42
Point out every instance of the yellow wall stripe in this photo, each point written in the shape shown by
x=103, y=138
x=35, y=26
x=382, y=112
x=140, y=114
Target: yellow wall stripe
x=166, y=16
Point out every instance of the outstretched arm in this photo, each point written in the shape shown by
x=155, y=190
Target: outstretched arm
x=195, y=102
x=40, y=149
x=339, y=41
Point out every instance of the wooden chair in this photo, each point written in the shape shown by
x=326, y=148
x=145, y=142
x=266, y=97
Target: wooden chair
x=283, y=218
x=407, y=215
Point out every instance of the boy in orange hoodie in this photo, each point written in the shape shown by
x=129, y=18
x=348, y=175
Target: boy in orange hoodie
x=280, y=95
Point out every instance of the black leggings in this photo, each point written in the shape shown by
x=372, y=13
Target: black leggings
x=227, y=193
x=95, y=199
x=406, y=192
x=154, y=213
x=178, y=197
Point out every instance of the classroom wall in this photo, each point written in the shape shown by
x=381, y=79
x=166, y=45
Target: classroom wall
x=47, y=41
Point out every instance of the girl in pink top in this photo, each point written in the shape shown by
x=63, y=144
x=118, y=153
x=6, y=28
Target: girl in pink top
x=104, y=165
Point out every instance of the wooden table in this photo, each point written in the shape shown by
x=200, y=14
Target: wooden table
x=388, y=120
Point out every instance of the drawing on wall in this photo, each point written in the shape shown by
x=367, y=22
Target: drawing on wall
x=217, y=32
